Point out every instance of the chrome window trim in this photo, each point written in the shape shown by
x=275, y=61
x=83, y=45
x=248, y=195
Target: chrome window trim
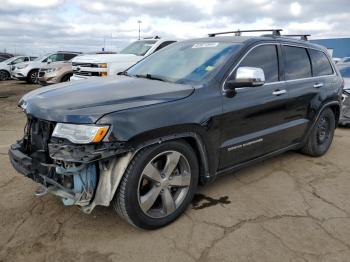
x=283, y=81
x=320, y=50
x=240, y=61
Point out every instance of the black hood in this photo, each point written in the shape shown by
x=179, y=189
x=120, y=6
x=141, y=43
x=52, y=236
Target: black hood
x=85, y=101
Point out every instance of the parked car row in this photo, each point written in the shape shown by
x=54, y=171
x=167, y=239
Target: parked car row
x=88, y=66
x=64, y=66
x=29, y=71
x=7, y=65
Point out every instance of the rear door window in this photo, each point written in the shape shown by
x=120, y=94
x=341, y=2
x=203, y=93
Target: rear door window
x=320, y=63
x=296, y=62
x=266, y=58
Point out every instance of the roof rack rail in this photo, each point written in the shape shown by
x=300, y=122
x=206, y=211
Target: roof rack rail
x=302, y=36
x=275, y=32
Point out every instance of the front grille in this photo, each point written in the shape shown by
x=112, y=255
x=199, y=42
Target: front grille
x=38, y=133
x=84, y=64
x=86, y=73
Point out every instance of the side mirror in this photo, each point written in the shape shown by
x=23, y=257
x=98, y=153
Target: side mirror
x=245, y=77
x=49, y=61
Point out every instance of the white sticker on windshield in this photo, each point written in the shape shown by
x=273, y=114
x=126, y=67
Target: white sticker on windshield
x=205, y=45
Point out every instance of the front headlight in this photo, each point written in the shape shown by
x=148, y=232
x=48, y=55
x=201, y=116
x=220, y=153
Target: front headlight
x=50, y=70
x=80, y=134
x=21, y=66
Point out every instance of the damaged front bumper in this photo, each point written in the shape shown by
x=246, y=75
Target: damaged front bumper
x=82, y=175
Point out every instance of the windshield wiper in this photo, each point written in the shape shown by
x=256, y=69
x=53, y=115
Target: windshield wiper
x=123, y=73
x=152, y=77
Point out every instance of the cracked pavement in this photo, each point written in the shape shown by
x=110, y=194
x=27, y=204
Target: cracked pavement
x=288, y=208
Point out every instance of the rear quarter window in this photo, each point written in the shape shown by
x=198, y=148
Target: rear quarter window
x=297, y=63
x=320, y=63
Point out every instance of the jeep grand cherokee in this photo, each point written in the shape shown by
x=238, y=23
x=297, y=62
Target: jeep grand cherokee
x=144, y=140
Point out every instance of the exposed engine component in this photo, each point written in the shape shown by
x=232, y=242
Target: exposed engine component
x=80, y=182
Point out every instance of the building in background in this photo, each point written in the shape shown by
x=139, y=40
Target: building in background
x=339, y=46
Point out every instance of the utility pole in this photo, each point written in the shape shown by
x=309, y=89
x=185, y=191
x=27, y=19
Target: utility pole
x=139, y=22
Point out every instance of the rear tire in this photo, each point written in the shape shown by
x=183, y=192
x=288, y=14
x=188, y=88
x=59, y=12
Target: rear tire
x=32, y=76
x=4, y=75
x=321, y=136
x=158, y=185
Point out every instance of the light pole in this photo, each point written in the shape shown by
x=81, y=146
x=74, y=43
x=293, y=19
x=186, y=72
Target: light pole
x=139, y=22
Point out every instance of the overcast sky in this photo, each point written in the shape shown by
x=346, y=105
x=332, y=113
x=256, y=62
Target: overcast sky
x=41, y=26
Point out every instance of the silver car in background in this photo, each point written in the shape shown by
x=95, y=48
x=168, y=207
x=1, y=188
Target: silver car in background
x=54, y=73
x=5, y=66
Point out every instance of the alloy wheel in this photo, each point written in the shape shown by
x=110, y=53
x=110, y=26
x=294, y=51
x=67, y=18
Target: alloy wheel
x=323, y=130
x=164, y=184
x=34, y=77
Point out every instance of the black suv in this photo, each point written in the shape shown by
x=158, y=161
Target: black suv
x=195, y=110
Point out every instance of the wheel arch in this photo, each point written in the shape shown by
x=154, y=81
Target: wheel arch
x=66, y=74
x=33, y=69
x=30, y=71
x=196, y=143
x=334, y=106
x=112, y=175
x=5, y=71
x=336, y=110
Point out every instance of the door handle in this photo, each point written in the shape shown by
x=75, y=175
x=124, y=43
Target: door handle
x=318, y=85
x=279, y=92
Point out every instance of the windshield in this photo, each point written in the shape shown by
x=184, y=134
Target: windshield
x=345, y=71
x=185, y=62
x=41, y=57
x=138, y=48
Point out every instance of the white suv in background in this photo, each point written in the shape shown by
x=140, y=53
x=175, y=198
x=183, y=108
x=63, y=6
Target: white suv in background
x=102, y=65
x=5, y=66
x=28, y=71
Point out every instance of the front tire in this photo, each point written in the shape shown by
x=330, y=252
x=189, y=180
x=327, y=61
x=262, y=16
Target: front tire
x=321, y=136
x=32, y=77
x=158, y=185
